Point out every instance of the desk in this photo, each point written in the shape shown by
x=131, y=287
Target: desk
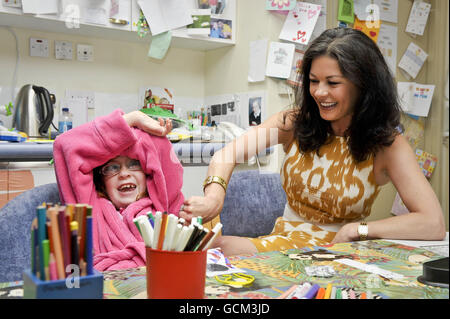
x=275, y=272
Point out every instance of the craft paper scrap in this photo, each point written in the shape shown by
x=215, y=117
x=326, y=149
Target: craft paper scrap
x=300, y=22
x=387, y=42
x=165, y=15
x=372, y=30
x=346, y=11
x=159, y=45
x=257, y=60
x=413, y=59
x=418, y=17
x=388, y=10
x=280, y=4
x=217, y=264
x=280, y=59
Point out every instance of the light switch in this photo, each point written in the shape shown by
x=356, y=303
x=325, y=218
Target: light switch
x=63, y=50
x=85, y=53
x=39, y=47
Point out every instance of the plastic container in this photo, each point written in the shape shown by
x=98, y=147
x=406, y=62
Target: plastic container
x=89, y=287
x=65, y=120
x=175, y=275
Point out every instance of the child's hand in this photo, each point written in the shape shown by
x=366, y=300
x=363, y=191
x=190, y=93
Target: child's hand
x=147, y=124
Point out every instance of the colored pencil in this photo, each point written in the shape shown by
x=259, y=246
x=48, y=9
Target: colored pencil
x=57, y=242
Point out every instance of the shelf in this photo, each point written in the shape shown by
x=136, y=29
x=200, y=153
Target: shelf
x=179, y=37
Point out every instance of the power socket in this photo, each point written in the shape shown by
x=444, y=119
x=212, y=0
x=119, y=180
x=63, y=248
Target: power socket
x=63, y=50
x=39, y=47
x=85, y=52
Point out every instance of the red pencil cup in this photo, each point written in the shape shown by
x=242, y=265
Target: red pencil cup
x=175, y=275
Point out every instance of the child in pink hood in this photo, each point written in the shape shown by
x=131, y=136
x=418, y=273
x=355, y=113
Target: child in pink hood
x=122, y=171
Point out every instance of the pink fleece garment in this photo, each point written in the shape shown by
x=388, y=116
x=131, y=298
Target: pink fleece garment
x=117, y=242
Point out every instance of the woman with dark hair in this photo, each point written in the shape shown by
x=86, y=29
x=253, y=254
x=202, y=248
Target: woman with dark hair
x=342, y=143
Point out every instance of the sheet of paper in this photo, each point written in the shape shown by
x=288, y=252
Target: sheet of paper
x=423, y=95
x=412, y=60
x=406, y=93
x=12, y=3
x=359, y=7
x=300, y=22
x=257, y=60
x=95, y=16
x=79, y=109
x=280, y=58
x=40, y=7
x=165, y=15
x=418, y=17
x=371, y=269
x=387, y=42
x=280, y=4
x=388, y=10
x=159, y=45
x=108, y=102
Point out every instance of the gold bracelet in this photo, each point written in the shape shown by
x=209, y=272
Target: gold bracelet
x=215, y=179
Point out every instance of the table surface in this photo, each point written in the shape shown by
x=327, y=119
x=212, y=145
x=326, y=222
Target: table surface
x=275, y=272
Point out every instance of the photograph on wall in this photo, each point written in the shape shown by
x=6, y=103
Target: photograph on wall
x=254, y=106
x=201, y=24
x=156, y=96
x=254, y=111
x=220, y=28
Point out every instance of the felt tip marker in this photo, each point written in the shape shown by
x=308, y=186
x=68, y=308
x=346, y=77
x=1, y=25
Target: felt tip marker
x=158, y=218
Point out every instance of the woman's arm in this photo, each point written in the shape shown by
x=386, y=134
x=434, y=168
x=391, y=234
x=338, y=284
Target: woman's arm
x=425, y=220
x=272, y=132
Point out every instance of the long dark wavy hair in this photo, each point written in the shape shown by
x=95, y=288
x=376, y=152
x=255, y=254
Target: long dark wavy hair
x=376, y=116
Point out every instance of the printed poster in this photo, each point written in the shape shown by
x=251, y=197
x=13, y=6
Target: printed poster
x=300, y=23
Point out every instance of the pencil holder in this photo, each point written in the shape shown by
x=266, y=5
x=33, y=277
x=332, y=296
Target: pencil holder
x=83, y=287
x=175, y=275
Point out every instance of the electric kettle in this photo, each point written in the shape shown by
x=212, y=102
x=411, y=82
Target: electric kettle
x=33, y=110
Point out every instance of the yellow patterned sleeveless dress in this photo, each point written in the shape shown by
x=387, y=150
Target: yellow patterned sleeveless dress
x=323, y=193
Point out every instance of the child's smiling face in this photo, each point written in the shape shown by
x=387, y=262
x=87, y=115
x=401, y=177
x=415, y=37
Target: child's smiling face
x=124, y=181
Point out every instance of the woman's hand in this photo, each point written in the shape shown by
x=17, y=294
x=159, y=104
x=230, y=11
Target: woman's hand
x=348, y=232
x=207, y=207
x=146, y=123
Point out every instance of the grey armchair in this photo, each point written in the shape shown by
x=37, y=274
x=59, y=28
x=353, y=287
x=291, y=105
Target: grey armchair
x=15, y=225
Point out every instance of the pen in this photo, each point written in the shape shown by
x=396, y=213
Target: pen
x=176, y=235
x=162, y=230
x=57, y=242
x=320, y=293
x=158, y=217
x=63, y=236
x=187, y=230
x=344, y=294
x=151, y=219
x=74, y=242
x=146, y=230
x=46, y=248
x=311, y=292
x=172, y=221
x=41, y=219
x=363, y=295
x=216, y=231
x=199, y=239
x=328, y=291
x=89, y=253
x=197, y=231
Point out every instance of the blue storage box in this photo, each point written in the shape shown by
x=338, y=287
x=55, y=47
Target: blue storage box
x=90, y=287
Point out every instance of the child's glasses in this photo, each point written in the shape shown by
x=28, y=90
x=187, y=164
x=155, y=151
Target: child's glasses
x=114, y=168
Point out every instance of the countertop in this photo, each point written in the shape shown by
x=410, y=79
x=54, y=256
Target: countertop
x=187, y=152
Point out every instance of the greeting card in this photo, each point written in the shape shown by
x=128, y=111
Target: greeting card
x=412, y=60
x=280, y=59
x=300, y=23
x=418, y=17
x=280, y=4
x=387, y=42
x=371, y=29
x=294, y=78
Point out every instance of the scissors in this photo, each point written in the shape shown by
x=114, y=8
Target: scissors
x=236, y=279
